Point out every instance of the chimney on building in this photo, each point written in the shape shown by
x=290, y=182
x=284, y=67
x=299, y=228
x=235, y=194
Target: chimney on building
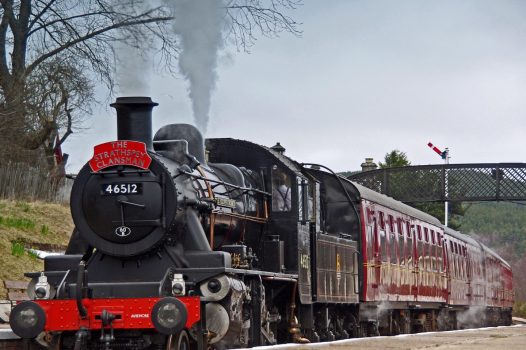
x=369, y=165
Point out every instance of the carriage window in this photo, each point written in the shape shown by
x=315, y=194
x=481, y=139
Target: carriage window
x=383, y=245
x=419, y=229
x=409, y=251
x=431, y=258
x=427, y=252
x=464, y=272
x=281, y=191
x=392, y=245
x=408, y=229
x=444, y=258
x=401, y=249
x=370, y=215
x=400, y=227
x=433, y=237
x=391, y=223
x=370, y=238
x=426, y=234
x=382, y=221
x=431, y=253
x=435, y=258
x=420, y=252
x=440, y=266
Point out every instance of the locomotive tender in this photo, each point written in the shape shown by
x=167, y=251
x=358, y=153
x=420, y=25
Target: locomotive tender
x=176, y=249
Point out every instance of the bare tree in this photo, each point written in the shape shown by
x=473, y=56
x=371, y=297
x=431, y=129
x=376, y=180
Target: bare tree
x=52, y=50
x=59, y=96
x=249, y=18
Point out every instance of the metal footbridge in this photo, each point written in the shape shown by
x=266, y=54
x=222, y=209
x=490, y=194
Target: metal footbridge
x=448, y=182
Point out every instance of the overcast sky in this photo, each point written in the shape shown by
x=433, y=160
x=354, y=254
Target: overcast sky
x=366, y=77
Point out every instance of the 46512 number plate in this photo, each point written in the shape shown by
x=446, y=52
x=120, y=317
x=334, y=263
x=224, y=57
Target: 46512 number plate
x=122, y=188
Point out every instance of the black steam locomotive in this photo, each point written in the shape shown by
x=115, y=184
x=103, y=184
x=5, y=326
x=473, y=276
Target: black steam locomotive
x=178, y=245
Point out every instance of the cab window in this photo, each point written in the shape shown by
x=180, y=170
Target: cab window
x=281, y=191
x=305, y=200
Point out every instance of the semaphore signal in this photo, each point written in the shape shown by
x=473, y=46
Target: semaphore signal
x=438, y=151
x=445, y=156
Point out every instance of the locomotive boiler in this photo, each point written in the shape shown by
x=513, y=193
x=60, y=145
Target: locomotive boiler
x=181, y=243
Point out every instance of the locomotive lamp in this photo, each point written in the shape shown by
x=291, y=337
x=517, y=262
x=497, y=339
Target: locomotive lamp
x=178, y=285
x=27, y=319
x=42, y=288
x=169, y=315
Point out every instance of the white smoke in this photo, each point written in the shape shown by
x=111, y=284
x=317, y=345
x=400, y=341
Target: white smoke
x=199, y=25
x=134, y=60
x=133, y=71
x=473, y=317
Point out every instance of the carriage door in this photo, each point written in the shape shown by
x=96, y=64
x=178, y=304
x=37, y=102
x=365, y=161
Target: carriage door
x=447, y=270
x=377, y=249
x=469, y=273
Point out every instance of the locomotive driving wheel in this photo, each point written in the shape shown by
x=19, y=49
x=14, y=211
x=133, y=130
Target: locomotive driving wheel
x=179, y=341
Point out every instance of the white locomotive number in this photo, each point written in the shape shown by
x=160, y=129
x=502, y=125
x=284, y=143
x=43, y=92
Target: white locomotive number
x=129, y=188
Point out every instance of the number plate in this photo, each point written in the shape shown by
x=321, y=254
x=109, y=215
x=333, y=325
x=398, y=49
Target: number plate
x=122, y=188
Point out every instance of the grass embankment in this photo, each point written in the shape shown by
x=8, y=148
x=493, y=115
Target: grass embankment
x=29, y=225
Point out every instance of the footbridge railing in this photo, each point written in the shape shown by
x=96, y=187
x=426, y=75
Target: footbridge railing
x=448, y=182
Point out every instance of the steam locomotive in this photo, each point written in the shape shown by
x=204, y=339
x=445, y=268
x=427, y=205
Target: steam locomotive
x=178, y=246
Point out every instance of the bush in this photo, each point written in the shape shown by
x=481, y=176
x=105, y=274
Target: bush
x=17, y=248
x=18, y=223
x=519, y=309
x=44, y=230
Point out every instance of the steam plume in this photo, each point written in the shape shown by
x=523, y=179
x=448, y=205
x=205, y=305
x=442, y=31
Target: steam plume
x=134, y=68
x=199, y=25
x=133, y=71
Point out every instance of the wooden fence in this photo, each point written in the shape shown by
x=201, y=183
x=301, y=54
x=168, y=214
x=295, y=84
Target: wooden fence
x=19, y=181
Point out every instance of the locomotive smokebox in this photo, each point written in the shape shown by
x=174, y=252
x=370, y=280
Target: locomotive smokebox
x=134, y=119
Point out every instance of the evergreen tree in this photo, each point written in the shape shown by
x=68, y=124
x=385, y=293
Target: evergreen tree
x=395, y=158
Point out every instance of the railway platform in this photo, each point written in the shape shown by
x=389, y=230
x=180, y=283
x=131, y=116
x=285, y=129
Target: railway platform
x=493, y=338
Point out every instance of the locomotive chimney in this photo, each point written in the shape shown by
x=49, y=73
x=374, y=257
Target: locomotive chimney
x=134, y=119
